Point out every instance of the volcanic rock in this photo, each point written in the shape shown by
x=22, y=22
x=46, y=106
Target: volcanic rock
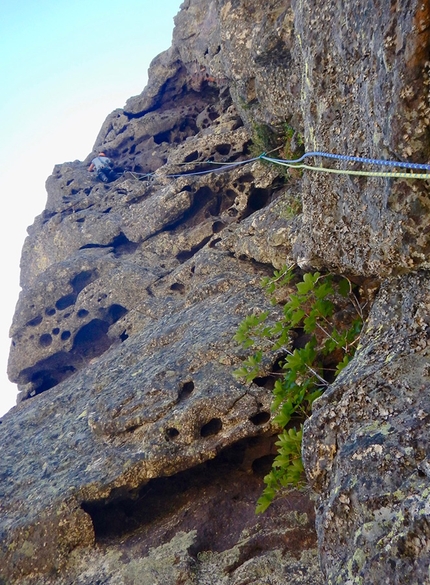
x=135, y=455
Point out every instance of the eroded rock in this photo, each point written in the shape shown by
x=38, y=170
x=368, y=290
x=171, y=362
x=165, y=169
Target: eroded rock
x=135, y=453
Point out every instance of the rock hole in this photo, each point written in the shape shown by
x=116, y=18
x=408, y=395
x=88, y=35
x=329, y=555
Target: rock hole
x=45, y=340
x=217, y=227
x=300, y=338
x=184, y=256
x=262, y=465
x=82, y=313
x=214, y=242
x=187, y=254
x=48, y=372
x=185, y=390
x=192, y=156
x=66, y=301
x=55, y=331
x=212, y=427
x=43, y=381
x=178, y=286
x=123, y=336
x=132, y=428
x=260, y=418
x=223, y=149
x=264, y=382
x=80, y=220
x=115, y=312
x=258, y=198
x=230, y=195
x=162, y=137
x=81, y=280
x=50, y=311
x=92, y=339
x=144, y=510
x=65, y=335
x=122, y=245
x=243, y=181
x=35, y=321
x=171, y=433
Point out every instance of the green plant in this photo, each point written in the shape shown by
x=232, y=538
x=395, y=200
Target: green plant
x=293, y=206
x=316, y=346
x=293, y=142
x=245, y=105
x=264, y=138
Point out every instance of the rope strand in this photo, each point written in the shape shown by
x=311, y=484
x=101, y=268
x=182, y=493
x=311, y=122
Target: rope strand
x=298, y=164
x=387, y=174
x=373, y=161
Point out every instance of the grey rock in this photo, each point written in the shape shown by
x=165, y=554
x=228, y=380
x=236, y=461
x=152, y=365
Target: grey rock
x=133, y=438
x=123, y=341
x=367, y=447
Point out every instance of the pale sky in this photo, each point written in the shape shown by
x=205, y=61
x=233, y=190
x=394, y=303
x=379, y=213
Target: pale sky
x=64, y=66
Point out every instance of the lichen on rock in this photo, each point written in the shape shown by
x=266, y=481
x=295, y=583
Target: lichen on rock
x=134, y=454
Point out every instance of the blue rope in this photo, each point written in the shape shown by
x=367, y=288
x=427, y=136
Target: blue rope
x=374, y=161
x=386, y=174
x=295, y=163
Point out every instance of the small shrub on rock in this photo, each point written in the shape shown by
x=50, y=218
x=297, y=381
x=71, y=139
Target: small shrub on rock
x=315, y=337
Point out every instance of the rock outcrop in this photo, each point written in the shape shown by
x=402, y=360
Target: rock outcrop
x=135, y=455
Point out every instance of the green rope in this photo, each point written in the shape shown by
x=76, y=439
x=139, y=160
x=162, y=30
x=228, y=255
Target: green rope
x=390, y=175
x=295, y=165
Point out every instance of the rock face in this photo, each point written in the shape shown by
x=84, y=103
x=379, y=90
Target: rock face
x=135, y=456
x=373, y=526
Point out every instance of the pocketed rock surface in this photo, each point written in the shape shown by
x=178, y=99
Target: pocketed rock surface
x=134, y=455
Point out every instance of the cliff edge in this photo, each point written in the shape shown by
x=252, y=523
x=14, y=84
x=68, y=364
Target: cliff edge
x=134, y=454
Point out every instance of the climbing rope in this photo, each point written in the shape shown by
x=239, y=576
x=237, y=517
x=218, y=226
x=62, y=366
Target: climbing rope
x=385, y=174
x=222, y=168
x=226, y=167
x=344, y=157
x=298, y=164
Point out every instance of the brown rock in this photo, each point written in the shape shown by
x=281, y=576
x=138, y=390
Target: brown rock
x=133, y=433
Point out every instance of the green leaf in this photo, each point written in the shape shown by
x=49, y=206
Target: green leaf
x=295, y=360
x=323, y=308
x=342, y=365
x=297, y=316
x=283, y=418
x=344, y=287
x=310, y=324
x=293, y=304
x=310, y=307
x=323, y=290
x=308, y=283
